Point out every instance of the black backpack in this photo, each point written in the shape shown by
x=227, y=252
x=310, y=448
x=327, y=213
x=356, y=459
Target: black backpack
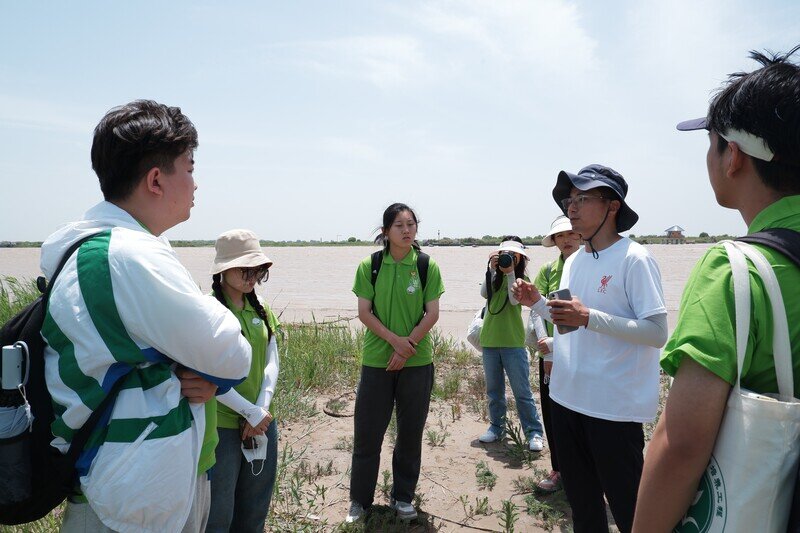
x=785, y=241
x=423, y=260
x=35, y=477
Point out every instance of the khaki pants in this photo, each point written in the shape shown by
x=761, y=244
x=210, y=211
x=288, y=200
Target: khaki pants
x=81, y=518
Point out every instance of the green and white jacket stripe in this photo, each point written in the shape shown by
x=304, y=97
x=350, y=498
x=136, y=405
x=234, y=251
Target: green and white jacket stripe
x=121, y=299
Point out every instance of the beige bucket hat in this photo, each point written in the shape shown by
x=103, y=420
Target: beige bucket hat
x=560, y=224
x=238, y=248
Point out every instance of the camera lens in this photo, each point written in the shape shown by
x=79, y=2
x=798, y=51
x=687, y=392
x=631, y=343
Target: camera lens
x=505, y=260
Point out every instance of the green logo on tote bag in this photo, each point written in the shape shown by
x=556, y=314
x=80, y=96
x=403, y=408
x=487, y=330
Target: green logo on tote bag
x=708, y=511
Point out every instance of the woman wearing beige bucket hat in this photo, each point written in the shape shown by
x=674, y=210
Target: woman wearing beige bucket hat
x=567, y=241
x=247, y=452
x=502, y=342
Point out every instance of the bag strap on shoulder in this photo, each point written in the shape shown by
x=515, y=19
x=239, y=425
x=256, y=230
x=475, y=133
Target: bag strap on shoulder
x=423, y=260
x=82, y=435
x=781, y=345
x=783, y=240
x=48, y=285
x=376, y=260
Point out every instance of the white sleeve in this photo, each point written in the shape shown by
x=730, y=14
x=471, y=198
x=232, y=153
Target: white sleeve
x=270, y=374
x=541, y=309
x=549, y=356
x=162, y=307
x=650, y=331
x=510, y=279
x=252, y=413
x=538, y=325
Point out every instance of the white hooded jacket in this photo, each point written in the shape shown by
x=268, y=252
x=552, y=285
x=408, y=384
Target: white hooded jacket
x=124, y=307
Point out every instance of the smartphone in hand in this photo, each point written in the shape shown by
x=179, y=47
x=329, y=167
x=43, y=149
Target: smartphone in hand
x=562, y=294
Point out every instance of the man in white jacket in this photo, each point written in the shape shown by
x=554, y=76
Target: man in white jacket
x=124, y=308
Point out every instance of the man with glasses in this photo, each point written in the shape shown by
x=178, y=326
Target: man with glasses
x=604, y=382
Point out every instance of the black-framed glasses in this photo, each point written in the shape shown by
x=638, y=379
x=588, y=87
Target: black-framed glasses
x=260, y=273
x=579, y=199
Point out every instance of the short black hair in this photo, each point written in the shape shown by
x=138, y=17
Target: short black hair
x=135, y=137
x=765, y=103
x=389, y=216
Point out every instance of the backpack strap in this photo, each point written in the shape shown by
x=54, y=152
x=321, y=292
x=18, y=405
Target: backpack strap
x=81, y=436
x=423, y=260
x=377, y=262
x=783, y=240
x=48, y=285
x=549, y=272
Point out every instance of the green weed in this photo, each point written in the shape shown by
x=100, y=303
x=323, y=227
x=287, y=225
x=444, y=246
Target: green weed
x=484, y=476
x=345, y=443
x=482, y=506
x=15, y=295
x=518, y=448
x=549, y=515
x=508, y=516
x=437, y=437
x=385, y=484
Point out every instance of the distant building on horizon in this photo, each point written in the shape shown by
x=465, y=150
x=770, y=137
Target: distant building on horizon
x=674, y=235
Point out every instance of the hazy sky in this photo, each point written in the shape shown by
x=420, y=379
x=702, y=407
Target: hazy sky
x=314, y=116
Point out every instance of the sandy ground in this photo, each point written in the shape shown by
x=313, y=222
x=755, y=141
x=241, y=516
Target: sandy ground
x=448, y=470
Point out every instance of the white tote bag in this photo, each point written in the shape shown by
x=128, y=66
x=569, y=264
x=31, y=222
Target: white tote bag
x=474, y=329
x=749, y=481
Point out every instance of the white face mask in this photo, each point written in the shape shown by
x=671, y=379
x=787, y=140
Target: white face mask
x=258, y=453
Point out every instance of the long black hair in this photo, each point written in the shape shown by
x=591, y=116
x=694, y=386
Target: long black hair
x=519, y=269
x=389, y=217
x=216, y=286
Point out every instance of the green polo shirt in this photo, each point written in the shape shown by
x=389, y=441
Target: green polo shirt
x=255, y=331
x=547, y=281
x=707, y=321
x=397, y=300
x=504, y=329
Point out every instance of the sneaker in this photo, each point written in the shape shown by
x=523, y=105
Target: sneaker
x=551, y=483
x=489, y=436
x=355, y=512
x=405, y=511
x=536, y=444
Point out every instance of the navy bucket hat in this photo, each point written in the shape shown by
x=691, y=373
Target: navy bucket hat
x=592, y=177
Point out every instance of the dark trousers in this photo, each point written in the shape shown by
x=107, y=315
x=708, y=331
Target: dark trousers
x=378, y=392
x=547, y=415
x=598, y=457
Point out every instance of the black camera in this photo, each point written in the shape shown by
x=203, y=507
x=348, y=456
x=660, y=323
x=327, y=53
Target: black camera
x=505, y=259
